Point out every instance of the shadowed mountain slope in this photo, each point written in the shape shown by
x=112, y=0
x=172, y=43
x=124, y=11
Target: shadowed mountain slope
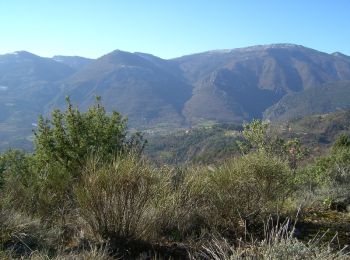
x=242, y=83
x=141, y=86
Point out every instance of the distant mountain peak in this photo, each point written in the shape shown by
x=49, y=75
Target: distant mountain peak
x=271, y=46
x=119, y=58
x=61, y=57
x=75, y=62
x=116, y=54
x=119, y=52
x=22, y=54
x=339, y=54
x=146, y=55
x=254, y=48
x=221, y=51
x=284, y=45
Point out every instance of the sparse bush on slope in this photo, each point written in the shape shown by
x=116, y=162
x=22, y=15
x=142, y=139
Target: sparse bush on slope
x=213, y=199
x=21, y=234
x=132, y=200
x=185, y=210
x=245, y=187
x=117, y=200
x=328, y=179
x=44, y=193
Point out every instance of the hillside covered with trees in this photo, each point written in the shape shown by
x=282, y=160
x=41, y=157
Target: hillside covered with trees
x=215, y=142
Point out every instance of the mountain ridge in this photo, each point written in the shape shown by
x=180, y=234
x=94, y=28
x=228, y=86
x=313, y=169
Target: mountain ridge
x=234, y=85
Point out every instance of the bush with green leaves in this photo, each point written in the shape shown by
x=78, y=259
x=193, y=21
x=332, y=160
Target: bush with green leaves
x=12, y=161
x=328, y=178
x=259, y=136
x=248, y=186
x=342, y=142
x=45, y=193
x=131, y=199
x=70, y=136
x=18, y=179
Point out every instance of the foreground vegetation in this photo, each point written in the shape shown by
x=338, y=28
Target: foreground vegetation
x=87, y=192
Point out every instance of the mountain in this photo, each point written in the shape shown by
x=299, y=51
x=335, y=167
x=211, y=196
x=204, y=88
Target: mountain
x=240, y=84
x=20, y=67
x=275, y=82
x=145, y=88
x=26, y=85
x=75, y=62
x=228, y=85
x=327, y=98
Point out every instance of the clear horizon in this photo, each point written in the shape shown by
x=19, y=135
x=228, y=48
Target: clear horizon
x=170, y=29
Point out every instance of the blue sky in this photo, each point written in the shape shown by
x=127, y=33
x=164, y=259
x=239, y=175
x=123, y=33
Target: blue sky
x=170, y=29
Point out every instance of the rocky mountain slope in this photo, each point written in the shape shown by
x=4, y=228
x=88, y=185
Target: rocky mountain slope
x=242, y=83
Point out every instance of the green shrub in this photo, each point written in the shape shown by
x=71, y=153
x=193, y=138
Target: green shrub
x=208, y=199
x=247, y=186
x=343, y=141
x=260, y=136
x=45, y=193
x=70, y=136
x=329, y=177
x=13, y=161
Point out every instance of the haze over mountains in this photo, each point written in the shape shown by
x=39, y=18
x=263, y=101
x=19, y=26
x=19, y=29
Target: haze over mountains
x=276, y=82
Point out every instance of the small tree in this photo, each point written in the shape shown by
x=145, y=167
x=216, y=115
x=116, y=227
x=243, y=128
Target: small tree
x=258, y=136
x=69, y=137
x=294, y=152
